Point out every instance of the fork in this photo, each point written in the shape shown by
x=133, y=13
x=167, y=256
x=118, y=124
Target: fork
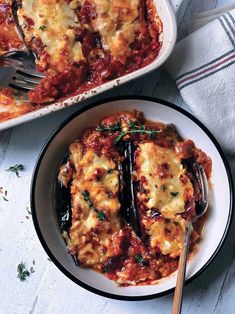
x=25, y=77
x=201, y=208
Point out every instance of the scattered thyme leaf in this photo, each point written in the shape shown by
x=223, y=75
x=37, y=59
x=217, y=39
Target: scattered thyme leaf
x=132, y=125
x=86, y=196
x=105, y=270
x=5, y=199
x=100, y=216
x=16, y=169
x=32, y=270
x=23, y=273
x=139, y=259
x=174, y=193
x=100, y=128
x=42, y=28
x=164, y=188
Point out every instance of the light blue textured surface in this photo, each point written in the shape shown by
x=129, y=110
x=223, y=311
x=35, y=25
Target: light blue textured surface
x=49, y=291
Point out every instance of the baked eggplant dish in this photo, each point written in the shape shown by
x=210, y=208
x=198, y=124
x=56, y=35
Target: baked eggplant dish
x=125, y=193
x=76, y=45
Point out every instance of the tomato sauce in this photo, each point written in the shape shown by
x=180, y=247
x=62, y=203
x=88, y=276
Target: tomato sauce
x=100, y=66
x=9, y=39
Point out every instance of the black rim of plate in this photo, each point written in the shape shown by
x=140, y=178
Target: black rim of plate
x=34, y=212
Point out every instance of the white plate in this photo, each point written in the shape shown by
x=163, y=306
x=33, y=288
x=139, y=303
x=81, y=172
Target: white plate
x=167, y=16
x=42, y=194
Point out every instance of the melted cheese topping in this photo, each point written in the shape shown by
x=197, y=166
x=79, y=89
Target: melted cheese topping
x=53, y=22
x=166, y=236
x=96, y=175
x=117, y=22
x=165, y=190
x=10, y=107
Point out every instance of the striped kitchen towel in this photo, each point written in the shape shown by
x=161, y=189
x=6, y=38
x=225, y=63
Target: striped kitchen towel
x=203, y=66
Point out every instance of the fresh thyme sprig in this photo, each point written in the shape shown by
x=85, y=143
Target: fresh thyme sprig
x=42, y=28
x=16, y=168
x=110, y=129
x=86, y=196
x=136, y=128
x=141, y=131
x=133, y=129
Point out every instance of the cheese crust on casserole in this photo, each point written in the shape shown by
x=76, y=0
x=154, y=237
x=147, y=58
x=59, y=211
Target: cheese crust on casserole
x=80, y=44
x=165, y=195
x=54, y=23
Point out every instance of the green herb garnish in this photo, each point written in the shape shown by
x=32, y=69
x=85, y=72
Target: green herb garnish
x=32, y=270
x=42, y=28
x=86, y=196
x=23, y=273
x=136, y=129
x=16, y=168
x=123, y=133
x=164, y=188
x=105, y=270
x=133, y=128
x=174, y=193
x=132, y=124
x=139, y=259
x=111, y=128
x=5, y=199
x=100, y=216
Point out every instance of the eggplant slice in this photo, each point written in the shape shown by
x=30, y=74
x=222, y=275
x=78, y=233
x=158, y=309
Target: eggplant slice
x=129, y=209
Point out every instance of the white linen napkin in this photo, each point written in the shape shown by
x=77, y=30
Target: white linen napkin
x=203, y=66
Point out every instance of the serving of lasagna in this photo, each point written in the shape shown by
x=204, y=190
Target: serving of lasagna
x=125, y=193
x=79, y=44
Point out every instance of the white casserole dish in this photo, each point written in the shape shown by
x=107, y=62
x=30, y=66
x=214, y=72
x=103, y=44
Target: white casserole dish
x=167, y=17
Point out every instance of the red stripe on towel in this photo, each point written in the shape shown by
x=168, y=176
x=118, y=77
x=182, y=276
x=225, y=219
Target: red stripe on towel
x=180, y=82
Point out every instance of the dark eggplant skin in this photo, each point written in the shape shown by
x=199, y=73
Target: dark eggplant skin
x=189, y=164
x=15, y=6
x=30, y=55
x=127, y=195
x=63, y=206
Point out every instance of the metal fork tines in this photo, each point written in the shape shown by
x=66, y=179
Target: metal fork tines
x=25, y=77
x=22, y=80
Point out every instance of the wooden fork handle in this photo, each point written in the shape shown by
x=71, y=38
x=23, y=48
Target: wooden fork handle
x=177, y=302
